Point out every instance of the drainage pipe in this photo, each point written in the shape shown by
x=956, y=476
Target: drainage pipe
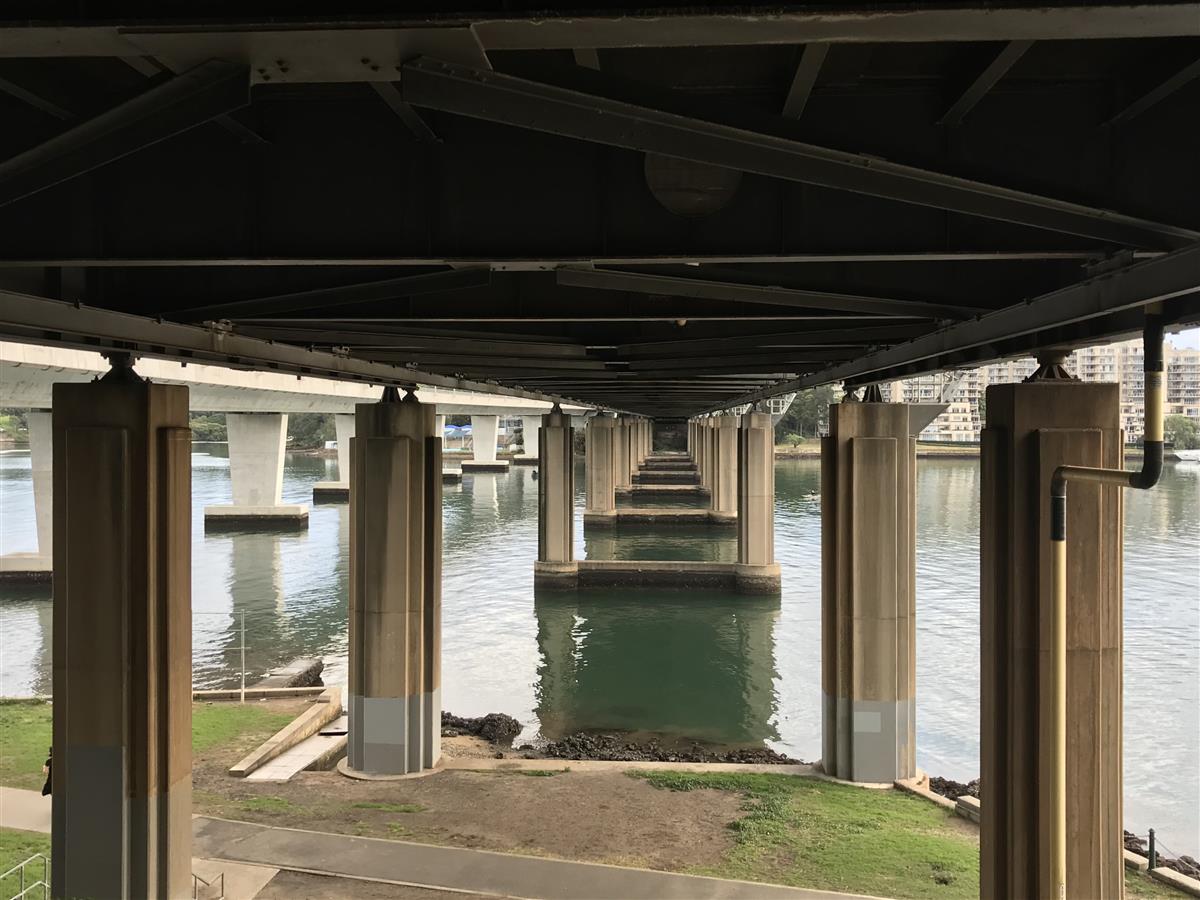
x=1152, y=463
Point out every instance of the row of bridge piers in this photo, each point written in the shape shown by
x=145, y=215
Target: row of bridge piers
x=122, y=618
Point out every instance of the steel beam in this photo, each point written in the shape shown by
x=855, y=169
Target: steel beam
x=848, y=337
x=1153, y=281
x=343, y=295
x=37, y=101
x=562, y=111
x=1164, y=90
x=37, y=320
x=193, y=98
x=412, y=119
x=700, y=289
x=548, y=263
x=984, y=82
x=805, y=78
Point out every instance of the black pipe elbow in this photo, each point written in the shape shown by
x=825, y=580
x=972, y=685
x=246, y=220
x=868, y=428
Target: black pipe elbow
x=1152, y=466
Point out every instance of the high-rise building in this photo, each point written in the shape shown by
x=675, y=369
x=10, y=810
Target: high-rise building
x=1120, y=363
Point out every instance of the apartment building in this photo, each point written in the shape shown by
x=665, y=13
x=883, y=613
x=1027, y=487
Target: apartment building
x=1118, y=362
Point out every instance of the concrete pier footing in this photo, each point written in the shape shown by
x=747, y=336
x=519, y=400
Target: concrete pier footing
x=394, y=693
x=122, y=639
x=1032, y=429
x=256, y=446
x=484, y=431
x=36, y=566
x=868, y=593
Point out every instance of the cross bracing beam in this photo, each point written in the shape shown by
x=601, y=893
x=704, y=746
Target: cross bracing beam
x=37, y=101
x=41, y=321
x=1168, y=278
x=412, y=119
x=344, y=295
x=1185, y=75
x=804, y=79
x=984, y=82
x=701, y=289
x=815, y=337
x=197, y=96
x=365, y=341
x=518, y=102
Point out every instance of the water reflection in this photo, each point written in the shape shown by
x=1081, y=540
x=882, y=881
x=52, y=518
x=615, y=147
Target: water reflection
x=665, y=542
x=697, y=665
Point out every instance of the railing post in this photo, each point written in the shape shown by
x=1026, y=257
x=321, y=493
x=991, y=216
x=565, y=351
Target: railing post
x=1153, y=852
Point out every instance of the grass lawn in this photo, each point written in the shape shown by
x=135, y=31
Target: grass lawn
x=25, y=734
x=816, y=834
x=18, y=846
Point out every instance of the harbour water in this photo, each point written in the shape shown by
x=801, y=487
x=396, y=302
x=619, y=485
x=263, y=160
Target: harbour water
x=707, y=665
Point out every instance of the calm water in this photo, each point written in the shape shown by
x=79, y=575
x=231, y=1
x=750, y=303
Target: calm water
x=705, y=665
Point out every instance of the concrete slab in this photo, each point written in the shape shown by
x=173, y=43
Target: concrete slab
x=451, y=475
x=452, y=868
x=1176, y=880
x=331, y=492
x=239, y=880
x=499, y=465
x=298, y=758
x=25, y=568
x=671, y=573
x=273, y=518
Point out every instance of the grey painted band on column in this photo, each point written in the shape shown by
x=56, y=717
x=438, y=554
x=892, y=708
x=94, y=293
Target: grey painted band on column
x=378, y=735
x=879, y=739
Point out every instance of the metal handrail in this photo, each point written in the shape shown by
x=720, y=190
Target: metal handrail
x=197, y=881
x=43, y=882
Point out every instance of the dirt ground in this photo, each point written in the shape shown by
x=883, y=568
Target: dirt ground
x=596, y=817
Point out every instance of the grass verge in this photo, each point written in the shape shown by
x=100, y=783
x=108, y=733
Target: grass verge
x=25, y=733
x=810, y=833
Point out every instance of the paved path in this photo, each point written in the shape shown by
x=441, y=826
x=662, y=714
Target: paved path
x=478, y=871
x=26, y=810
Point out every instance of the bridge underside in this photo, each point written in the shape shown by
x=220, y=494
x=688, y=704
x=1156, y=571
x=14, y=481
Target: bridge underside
x=662, y=215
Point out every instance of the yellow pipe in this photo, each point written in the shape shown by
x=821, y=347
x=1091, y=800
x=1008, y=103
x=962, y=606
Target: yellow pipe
x=1058, y=702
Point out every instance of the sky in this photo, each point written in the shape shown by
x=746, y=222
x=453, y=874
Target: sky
x=1189, y=338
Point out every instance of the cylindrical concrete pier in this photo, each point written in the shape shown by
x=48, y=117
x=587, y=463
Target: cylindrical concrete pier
x=556, y=501
x=868, y=593
x=394, y=688
x=122, y=640
x=723, y=500
x=1032, y=429
x=601, y=508
x=756, y=570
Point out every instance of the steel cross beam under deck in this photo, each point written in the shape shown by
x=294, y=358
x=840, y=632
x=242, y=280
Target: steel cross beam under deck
x=39, y=320
x=598, y=117
x=1168, y=278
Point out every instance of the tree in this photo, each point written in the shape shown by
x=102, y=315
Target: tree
x=808, y=413
x=208, y=427
x=1184, y=433
x=309, y=431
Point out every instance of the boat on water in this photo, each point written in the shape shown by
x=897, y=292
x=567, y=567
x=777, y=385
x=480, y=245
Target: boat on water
x=1188, y=455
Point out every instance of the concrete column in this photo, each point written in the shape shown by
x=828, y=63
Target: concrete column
x=36, y=566
x=601, y=508
x=620, y=455
x=121, y=820
x=395, y=590
x=483, y=441
x=1031, y=430
x=868, y=593
x=439, y=428
x=256, y=445
x=338, y=490
x=756, y=570
x=530, y=426
x=710, y=452
x=556, y=500
x=723, y=502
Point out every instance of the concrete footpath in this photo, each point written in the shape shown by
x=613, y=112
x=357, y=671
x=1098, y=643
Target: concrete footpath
x=476, y=871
